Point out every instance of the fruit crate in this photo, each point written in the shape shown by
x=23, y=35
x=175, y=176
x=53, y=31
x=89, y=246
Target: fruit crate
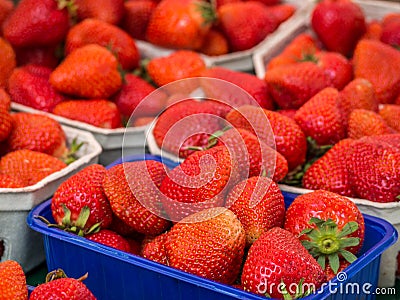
x=16, y=203
x=114, y=274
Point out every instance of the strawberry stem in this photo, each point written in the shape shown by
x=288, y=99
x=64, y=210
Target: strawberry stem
x=71, y=155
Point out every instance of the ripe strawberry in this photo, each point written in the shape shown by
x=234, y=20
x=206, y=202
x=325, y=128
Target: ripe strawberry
x=290, y=113
x=192, y=20
x=141, y=121
x=94, y=31
x=5, y=101
x=29, y=85
x=13, y=281
x=153, y=248
x=270, y=2
x=200, y=182
x=6, y=7
x=6, y=124
x=281, y=12
x=43, y=56
x=99, y=79
x=7, y=61
x=374, y=168
x=339, y=24
x=321, y=117
x=10, y=181
x=289, y=138
x=257, y=88
x=379, y=64
x=364, y=122
x=38, y=133
x=330, y=274
x=292, y=85
x=30, y=166
x=132, y=189
x=241, y=31
x=373, y=31
x=390, y=32
x=330, y=172
x=180, y=64
x=110, y=238
x=391, y=114
x=214, y=44
x=37, y=23
x=132, y=98
x=389, y=18
x=209, y=244
x=258, y=204
x=82, y=193
x=277, y=258
x=137, y=16
x=110, y=11
x=329, y=225
x=98, y=112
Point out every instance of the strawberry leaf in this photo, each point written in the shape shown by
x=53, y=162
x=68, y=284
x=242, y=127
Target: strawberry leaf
x=347, y=255
x=334, y=262
x=349, y=228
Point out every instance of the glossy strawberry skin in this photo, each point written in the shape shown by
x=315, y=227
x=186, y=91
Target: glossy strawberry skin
x=137, y=16
x=153, y=248
x=13, y=281
x=7, y=62
x=391, y=113
x=364, y=122
x=10, y=181
x=110, y=11
x=45, y=56
x=110, y=238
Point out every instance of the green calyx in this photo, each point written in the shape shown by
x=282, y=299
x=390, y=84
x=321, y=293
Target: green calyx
x=308, y=57
x=71, y=8
x=71, y=155
x=300, y=291
x=328, y=242
x=398, y=197
x=208, y=11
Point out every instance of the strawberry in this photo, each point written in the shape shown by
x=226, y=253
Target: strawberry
x=330, y=274
x=390, y=32
x=257, y=88
x=141, y=121
x=132, y=99
x=7, y=61
x=329, y=172
x=44, y=56
x=374, y=168
x=364, y=122
x=180, y=64
x=37, y=23
x=132, y=189
x=110, y=238
x=292, y=85
x=329, y=226
x=258, y=204
x=391, y=114
x=270, y=2
x=289, y=138
x=6, y=7
x=290, y=113
x=120, y=227
x=59, y=286
x=134, y=246
x=94, y=31
x=339, y=24
x=13, y=281
x=110, y=11
x=5, y=101
x=30, y=166
x=214, y=44
x=98, y=112
x=321, y=117
x=209, y=244
x=82, y=195
x=281, y=12
x=39, y=133
x=137, y=16
x=373, y=31
x=379, y=64
x=277, y=258
x=6, y=124
x=10, y=181
x=99, y=79
x=200, y=182
x=153, y=248
x=29, y=85
x=241, y=31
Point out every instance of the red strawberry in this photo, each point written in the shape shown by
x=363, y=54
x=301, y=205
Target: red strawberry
x=292, y=85
x=30, y=166
x=214, y=44
x=289, y=138
x=258, y=204
x=281, y=12
x=241, y=31
x=94, y=31
x=379, y=64
x=256, y=87
x=5, y=101
x=373, y=31
x=134, y=245
x=29, y=85
x=390, y=32
x=13, y=281
x=99, y=79
x=209, y=244
x=10, y=181
x=81, y=192
x=180, y=24
x=98, y=112
x=7, y=62
x=120, y=227
x=290, y=113
x=374, y=168
x=391, y=114
x=200, y=182
x=6, y=124
x=364, y=122
x=330, y=172
x=328, y=225
x=321, y=117
x=277, y=258
x=6, y=7
x=339, y=24
x=132, y=189
x=37, y=23
x=137, y=16
x=39, y=133
x=43, y=56
x=110, y=11
x=110, y=238
x=330, y=274
x=153, y=248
